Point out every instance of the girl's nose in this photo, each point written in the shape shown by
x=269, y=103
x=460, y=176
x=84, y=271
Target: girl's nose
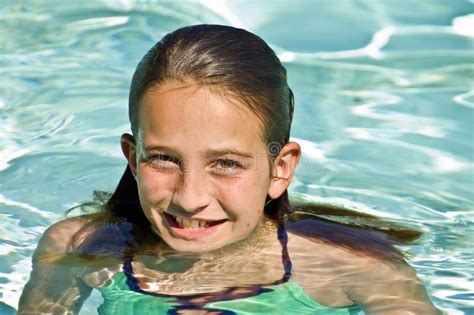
x=191, y=194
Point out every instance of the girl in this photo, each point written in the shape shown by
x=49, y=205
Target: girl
x=200, y=221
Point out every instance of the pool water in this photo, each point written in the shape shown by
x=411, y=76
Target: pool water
x=384, y=112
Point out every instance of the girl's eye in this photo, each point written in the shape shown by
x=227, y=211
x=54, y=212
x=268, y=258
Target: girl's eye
x=163, y=162
x=227, y=167
x=226, y=163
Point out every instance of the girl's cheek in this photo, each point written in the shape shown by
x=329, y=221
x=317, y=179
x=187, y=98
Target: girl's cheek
x=154, y=186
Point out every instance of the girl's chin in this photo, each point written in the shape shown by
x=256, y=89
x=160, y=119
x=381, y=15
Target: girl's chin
x=208, y=244
x=191, y=240
x=193, y=246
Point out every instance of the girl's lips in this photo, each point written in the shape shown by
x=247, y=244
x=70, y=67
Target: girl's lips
x=190, y=233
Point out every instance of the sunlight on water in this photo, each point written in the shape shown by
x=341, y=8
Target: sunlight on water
x=384, y=112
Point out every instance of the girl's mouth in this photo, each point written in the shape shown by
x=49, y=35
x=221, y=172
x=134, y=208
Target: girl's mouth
x=191, y=228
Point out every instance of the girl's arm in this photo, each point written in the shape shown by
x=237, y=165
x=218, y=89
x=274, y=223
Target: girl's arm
x=54, y=286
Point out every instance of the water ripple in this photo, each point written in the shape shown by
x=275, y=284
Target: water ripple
x=384, y=99
x=465, y=99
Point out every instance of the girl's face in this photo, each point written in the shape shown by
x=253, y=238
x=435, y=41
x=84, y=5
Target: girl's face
x=201, y=166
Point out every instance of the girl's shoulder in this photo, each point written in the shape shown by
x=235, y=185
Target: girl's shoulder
x=341, y=266
x=58, y=237
x=91, y=241
x=322, y=253
x=86, y=235
x=352, y=239
x=341, y=253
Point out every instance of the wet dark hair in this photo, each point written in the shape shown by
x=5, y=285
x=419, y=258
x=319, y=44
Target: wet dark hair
x=231, y=61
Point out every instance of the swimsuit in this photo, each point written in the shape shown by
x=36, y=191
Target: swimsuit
x=286, y=298
x=124, y=296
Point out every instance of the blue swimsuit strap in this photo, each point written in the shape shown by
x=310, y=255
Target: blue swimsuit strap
x=197, y=301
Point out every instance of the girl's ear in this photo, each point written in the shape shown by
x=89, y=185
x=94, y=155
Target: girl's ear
x=283, y=169
x=129, y=151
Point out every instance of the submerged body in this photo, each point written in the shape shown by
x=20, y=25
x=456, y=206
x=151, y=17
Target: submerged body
x=322, y=276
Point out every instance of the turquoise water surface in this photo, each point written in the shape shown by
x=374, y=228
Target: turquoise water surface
x=384, y=112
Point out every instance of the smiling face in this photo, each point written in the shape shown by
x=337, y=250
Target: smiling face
x=201, y=167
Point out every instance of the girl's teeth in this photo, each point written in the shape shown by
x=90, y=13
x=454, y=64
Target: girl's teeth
x=186, y=223
x=189, y=223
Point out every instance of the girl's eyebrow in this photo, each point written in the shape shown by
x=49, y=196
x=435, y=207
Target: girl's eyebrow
x=209, y=153
x=161, y=149
x=221, y=152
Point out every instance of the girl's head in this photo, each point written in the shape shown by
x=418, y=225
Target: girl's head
x=210, y=110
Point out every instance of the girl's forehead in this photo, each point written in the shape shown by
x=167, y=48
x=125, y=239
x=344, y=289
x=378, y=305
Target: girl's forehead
x=190, y=88
x=192, y=113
